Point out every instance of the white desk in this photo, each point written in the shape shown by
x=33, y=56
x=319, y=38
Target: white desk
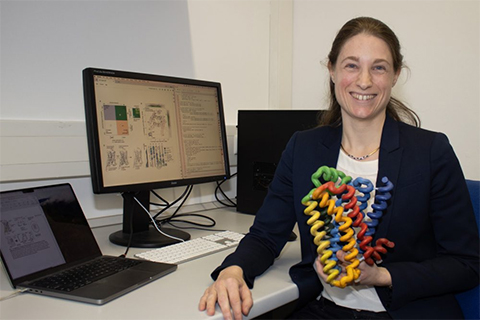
x=174, y=296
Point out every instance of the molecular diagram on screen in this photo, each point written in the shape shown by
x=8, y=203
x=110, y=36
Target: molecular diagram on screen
x=335, y=207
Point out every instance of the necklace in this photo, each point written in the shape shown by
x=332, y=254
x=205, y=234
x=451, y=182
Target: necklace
x=359, y=158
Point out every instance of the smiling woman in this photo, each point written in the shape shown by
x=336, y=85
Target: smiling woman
x=367, y=138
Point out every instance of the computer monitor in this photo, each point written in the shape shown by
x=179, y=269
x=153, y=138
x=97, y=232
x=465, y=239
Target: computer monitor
x=147, y=132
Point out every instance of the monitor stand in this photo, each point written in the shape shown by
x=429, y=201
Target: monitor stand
x=138, y=230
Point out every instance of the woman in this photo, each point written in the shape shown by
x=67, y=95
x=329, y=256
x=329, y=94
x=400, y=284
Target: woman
x=429, y=216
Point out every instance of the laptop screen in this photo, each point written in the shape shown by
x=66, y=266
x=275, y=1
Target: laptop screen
x=43, y=228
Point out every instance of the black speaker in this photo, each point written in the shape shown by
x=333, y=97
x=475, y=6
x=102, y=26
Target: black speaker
x=262, y=136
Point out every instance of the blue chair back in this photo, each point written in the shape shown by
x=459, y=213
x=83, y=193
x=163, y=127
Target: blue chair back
x=470, y=300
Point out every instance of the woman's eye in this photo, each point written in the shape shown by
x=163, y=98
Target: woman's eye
x=379, y=68
x=351, y=66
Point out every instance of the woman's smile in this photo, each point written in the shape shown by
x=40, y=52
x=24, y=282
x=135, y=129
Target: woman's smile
x=362, y=97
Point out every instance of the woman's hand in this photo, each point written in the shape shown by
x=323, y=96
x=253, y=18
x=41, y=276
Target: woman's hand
x=370, y=275
x=230, y=292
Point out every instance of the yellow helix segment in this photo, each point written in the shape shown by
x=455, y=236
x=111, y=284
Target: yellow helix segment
x=344, y=222
x=353, y=273
x=322, y=245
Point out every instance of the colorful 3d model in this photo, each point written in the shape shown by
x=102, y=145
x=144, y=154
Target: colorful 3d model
x=332, y=222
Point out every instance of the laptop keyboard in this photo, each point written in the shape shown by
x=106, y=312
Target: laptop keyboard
x=80, y=276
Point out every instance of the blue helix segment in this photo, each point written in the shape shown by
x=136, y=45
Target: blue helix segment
x=334, y=243
x=382, y=195
x=340, y=201
x=364, y=186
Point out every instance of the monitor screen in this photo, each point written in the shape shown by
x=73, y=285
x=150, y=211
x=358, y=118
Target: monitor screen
x=147, y=131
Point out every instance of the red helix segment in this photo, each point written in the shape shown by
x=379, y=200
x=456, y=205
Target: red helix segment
x=364, y=241
x=328, y=186
x=370, y=254
x=380, y=245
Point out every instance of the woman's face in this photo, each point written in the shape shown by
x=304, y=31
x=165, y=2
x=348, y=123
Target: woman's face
x=364, y=77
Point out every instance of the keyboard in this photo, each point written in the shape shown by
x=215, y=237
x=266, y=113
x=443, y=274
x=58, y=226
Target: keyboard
x=192, y=249
x=82, y=275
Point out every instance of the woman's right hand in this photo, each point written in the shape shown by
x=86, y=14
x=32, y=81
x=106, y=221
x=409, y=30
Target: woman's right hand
x=370, y=275
x=230, y=292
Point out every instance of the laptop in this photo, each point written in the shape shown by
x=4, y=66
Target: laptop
x=45, y=235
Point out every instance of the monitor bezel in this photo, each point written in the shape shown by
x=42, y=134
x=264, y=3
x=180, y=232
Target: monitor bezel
x=93, y=134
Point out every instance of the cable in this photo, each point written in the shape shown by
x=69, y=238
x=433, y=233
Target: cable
x=185, y=193
x=13, y=294
x=154, y=224
x=185, y=196
x=202, y=226
x=171, y=218
x=174, y=219
x=131, y=232
x=166, y=203
x=219, y=188
x=130, y=236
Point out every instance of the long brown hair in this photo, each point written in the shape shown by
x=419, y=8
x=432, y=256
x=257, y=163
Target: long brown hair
x=395, y=108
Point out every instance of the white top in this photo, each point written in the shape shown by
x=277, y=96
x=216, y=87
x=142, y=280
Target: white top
x=359, y=297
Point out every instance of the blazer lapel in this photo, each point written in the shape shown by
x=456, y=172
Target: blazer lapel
x=389, y=166
x=331, y=147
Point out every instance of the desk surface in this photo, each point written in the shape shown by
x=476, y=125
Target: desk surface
x=174, y=296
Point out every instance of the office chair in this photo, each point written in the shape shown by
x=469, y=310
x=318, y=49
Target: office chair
x=469, y=300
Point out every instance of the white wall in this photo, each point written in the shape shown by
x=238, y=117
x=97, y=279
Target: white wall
x=45, y=45
x=230, y=43
x=441, y=46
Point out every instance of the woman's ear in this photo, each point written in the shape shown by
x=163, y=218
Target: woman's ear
x=331, y=71
x=396, y=76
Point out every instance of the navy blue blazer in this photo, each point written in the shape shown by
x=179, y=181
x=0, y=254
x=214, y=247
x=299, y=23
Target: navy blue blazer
x=429, y=217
